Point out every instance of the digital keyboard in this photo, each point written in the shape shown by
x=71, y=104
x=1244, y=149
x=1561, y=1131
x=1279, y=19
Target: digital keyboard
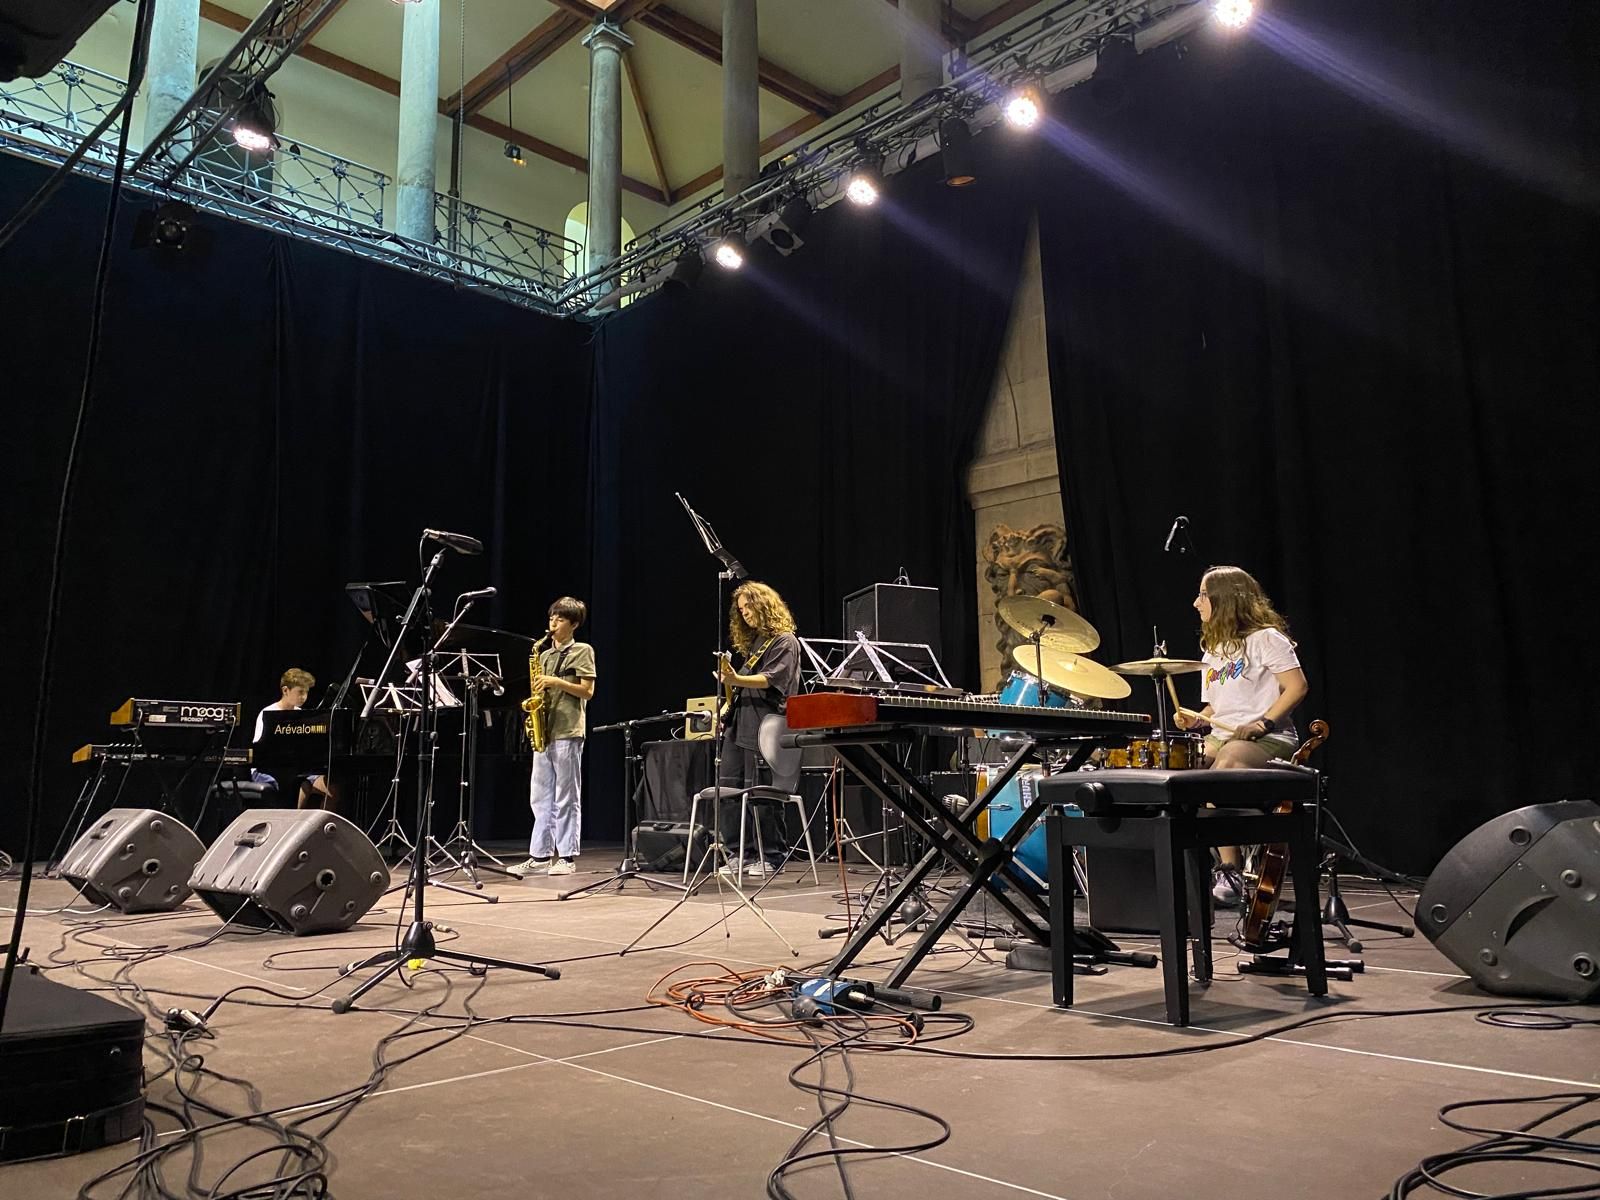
x=840, y=710
x=202, y=715
x=132, y=752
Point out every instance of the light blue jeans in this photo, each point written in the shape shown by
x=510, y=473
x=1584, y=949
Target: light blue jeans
x=556, y=796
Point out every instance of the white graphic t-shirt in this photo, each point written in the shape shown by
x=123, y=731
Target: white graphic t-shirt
x=1240, y=689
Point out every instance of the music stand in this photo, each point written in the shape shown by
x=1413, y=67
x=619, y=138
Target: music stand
x=418, y=942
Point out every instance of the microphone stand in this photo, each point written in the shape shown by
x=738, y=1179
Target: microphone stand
x=629, y=867
x=418, y=942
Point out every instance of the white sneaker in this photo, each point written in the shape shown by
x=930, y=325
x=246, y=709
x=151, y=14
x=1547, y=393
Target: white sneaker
x=563, y=866
x=528, y=867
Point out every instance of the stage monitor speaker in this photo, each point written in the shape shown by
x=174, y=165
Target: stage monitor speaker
x=894, y=612
x=305, y=871
x=134, y=859
x=1516, y=903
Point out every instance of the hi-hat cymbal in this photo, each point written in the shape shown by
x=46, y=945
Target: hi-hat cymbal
x=1159, y=667
x=1072, y=673
x=1058, y=628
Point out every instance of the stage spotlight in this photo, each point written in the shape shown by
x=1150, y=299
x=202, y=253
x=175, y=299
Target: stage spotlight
x=168, y=226
x=866, y=181
x=955, y=140
x=1025, y=105
x=513, y=151
x=255, y=124
x=1233, y=14
x=729, y=254
x=1114, y=63
x=685, y=270
x=784, y=227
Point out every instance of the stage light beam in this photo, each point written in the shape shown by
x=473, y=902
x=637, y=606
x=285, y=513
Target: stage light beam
x=1024, y=106
x=1233, y=14
x=866, y=182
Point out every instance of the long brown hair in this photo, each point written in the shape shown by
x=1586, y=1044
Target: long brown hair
x=772, y=616
x=1239, y=607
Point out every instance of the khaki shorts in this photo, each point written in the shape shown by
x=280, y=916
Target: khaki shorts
x=1277, y=745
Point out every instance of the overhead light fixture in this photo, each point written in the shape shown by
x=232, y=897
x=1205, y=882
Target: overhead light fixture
x=1113, y=65
x=783, y=229
x=513, y=151
x=684, y=270
x=1233, y=14
x=955, y=141
x=255, y=122
x=865, y=184
x=170, y=224
x=729, y=254
x=1025, y=105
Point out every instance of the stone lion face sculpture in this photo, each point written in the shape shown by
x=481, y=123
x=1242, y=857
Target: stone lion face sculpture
x=1028, y=562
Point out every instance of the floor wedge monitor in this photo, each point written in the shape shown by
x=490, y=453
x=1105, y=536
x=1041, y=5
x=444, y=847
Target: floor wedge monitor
x=1516, y=903
x=135, y=860
x=299, y=871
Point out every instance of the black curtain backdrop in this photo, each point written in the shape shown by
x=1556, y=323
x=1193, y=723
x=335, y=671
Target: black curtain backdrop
x=272, y=420
x=1332, y=293
x=275, y=419
x=819, y=411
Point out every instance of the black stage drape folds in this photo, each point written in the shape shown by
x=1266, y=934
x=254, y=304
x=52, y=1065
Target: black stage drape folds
x=1332, y=293
x=819, y=411
x=273, y=420
x=276, y=419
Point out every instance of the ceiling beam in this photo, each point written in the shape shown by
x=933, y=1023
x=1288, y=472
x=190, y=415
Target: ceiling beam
x=554, y=32
x=808, y=122
x=644, y=120
x=957, y=29
x=376, y=79
x=550, y=35
x=707, y=43
x=1000, y=16
x=327, y=15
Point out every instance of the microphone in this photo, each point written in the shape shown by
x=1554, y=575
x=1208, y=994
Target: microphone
x=1178, y=523
x=480, y=594
x=459, y=542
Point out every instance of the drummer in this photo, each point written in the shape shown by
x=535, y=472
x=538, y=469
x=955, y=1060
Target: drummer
x=1250, y=687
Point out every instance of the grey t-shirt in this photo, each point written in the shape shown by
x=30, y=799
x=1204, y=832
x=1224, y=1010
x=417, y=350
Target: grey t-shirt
x=564, y=712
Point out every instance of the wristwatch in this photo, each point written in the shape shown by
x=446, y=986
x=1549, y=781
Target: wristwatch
x=1269, y=724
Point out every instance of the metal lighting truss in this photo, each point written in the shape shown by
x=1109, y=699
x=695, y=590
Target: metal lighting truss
x=265, y=45
x=1055, y=49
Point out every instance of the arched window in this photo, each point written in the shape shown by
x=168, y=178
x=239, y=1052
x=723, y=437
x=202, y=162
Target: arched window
x=577, y=229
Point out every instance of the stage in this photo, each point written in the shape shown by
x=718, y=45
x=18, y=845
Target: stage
x=649, y=1101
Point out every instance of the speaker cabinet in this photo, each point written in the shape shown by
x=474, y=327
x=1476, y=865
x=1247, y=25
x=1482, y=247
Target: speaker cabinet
x=1516, y=903
x=306, y=871
x=894, y=612
x=134, y=859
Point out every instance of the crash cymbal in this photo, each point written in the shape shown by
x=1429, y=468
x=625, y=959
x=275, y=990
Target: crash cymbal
x=1072, y=673
x=1159, y=667
x=1058, y=628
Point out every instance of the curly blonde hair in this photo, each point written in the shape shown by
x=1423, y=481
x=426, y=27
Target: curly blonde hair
x=1239, y=607
x=772, y=616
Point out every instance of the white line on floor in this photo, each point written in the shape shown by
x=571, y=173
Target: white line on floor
x=1427, y=1062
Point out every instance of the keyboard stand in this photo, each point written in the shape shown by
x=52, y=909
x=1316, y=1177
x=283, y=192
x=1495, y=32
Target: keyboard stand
x=987, y=864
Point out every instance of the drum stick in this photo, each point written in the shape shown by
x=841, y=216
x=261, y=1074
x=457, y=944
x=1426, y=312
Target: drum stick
x=1215, y=724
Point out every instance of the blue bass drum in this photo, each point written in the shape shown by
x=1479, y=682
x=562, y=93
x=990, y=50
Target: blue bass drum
x=1006, y=809
x=1023, y=688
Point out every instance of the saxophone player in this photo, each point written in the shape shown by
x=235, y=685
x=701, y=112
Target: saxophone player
x=565, y=682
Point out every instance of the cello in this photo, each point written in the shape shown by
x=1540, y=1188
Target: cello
x=1256, y=934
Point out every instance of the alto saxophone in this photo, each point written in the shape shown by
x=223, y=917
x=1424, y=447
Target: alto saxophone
x=533, y=706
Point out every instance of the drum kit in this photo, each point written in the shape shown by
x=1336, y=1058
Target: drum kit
x=1051, y=670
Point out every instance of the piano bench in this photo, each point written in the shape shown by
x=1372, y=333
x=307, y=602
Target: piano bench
x=1165, y=813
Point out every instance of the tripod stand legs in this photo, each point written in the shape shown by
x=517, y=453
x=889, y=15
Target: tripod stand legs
x=1335, y=913
x=419, y=944
x=715, y=854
